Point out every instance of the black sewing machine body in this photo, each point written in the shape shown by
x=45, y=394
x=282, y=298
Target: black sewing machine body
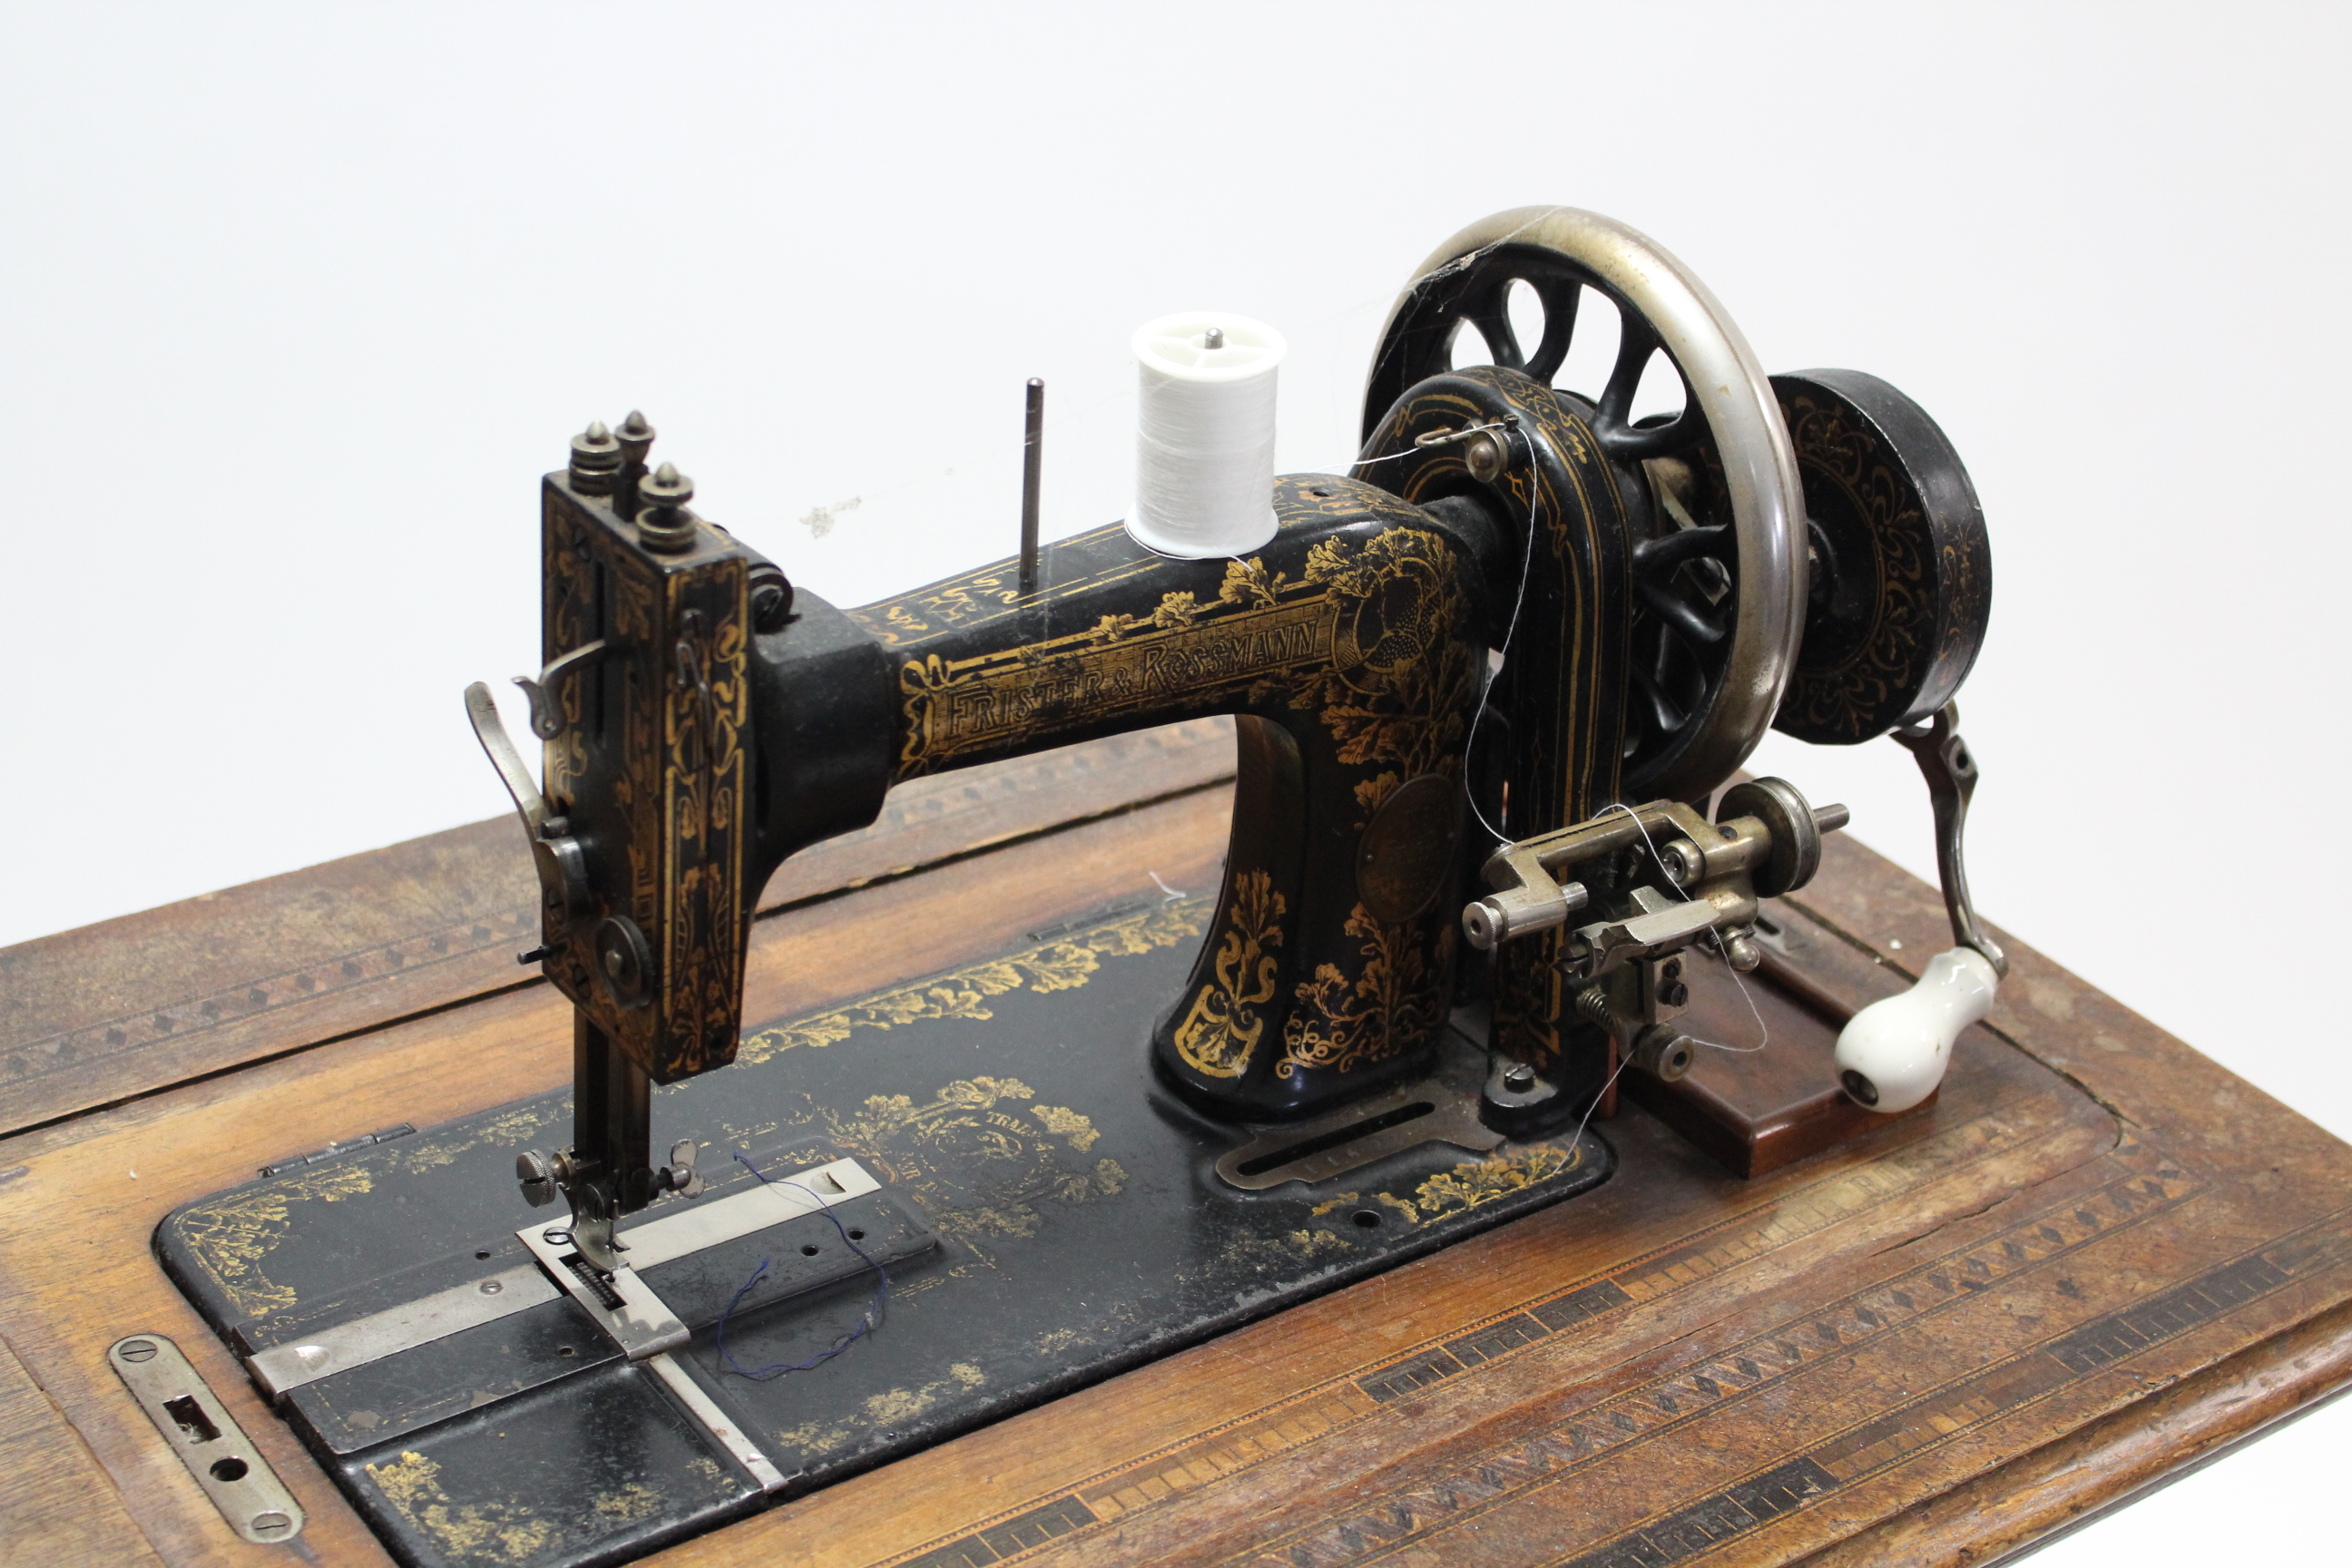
x=1135, y=1145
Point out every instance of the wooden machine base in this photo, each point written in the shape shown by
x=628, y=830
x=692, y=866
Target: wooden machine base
x=1764, y=1090
x=2094, y=1259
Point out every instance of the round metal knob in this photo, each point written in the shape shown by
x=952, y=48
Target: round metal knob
x=538, y=1179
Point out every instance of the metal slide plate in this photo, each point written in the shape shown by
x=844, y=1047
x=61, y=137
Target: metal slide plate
x=208, y=1440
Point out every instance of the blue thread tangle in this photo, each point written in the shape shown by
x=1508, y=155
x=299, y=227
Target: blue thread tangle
x=866, y=1323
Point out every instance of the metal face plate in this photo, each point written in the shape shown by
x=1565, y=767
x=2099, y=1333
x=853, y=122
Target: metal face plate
x=280, y=1369
x=396, y=1329
x=208, y=1440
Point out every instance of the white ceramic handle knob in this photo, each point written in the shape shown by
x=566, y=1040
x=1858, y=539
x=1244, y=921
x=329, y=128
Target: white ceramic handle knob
x=1891, y=1054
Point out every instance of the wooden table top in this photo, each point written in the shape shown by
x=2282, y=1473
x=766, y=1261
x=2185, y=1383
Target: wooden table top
x=2098, y=1259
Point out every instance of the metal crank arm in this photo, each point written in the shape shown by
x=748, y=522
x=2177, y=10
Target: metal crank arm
x=1951, y=774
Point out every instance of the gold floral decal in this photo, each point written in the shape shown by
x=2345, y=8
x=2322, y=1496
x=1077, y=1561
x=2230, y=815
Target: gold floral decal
x=1479, y=1182
x=515, y=1127
x=1340, y=1024
x=1386, y=706
x=1249, y=584
x=1176, y=612
x=1062, y=966
x=1221, y=1030
x=508, y=1531
x=233, y=1234
x=975, y=1125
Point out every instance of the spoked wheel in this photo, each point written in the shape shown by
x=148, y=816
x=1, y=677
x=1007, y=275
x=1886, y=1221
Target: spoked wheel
x=1719, y=570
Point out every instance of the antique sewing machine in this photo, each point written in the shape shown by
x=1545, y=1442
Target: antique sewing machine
x=1491, y=689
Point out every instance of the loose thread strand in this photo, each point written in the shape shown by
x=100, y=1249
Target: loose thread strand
x=1409, y=451
x=1487, y=687
x=867, y=1324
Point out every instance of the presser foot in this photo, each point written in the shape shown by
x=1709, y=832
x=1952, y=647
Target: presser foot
x=594, y=1205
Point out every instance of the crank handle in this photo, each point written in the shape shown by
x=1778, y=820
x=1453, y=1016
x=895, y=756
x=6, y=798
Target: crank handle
x=1891, y=1054
x=1951, y=771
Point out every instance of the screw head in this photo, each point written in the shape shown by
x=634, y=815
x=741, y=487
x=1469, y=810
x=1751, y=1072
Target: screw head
x=138, y=1351
x=1520, y=1078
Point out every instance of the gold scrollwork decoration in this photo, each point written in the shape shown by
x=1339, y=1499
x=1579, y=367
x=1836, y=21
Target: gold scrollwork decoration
x=1061, y=965
x=1340, y=1024
x=1221, y=1030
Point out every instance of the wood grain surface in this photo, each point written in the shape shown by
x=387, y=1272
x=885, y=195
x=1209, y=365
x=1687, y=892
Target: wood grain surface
x=2094, y=1258
x=56, y=1505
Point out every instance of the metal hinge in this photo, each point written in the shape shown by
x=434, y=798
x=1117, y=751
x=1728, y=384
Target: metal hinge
x=295, y=1162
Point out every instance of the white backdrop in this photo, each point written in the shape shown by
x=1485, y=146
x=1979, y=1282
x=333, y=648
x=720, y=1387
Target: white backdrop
x=298, y=303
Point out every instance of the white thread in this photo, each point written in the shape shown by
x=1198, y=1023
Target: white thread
x=1527, y=563
x=1173, y=893
x=1451, y=435
x=1597, y=1100
x=1204, y=434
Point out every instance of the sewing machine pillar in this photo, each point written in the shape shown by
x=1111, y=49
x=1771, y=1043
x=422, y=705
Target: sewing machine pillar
x=1562, y=526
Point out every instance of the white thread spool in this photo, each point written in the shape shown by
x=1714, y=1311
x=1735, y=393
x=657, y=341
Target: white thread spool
x=1204, y=434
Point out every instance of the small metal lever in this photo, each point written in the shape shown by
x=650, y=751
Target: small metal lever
x=482, y=709
x=561, y=864
x=546, y=717
x=1951, y=774
x=692, y=678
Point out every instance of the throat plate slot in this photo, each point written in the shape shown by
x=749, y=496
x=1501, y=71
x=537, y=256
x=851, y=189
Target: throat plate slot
x=1434, y=1110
